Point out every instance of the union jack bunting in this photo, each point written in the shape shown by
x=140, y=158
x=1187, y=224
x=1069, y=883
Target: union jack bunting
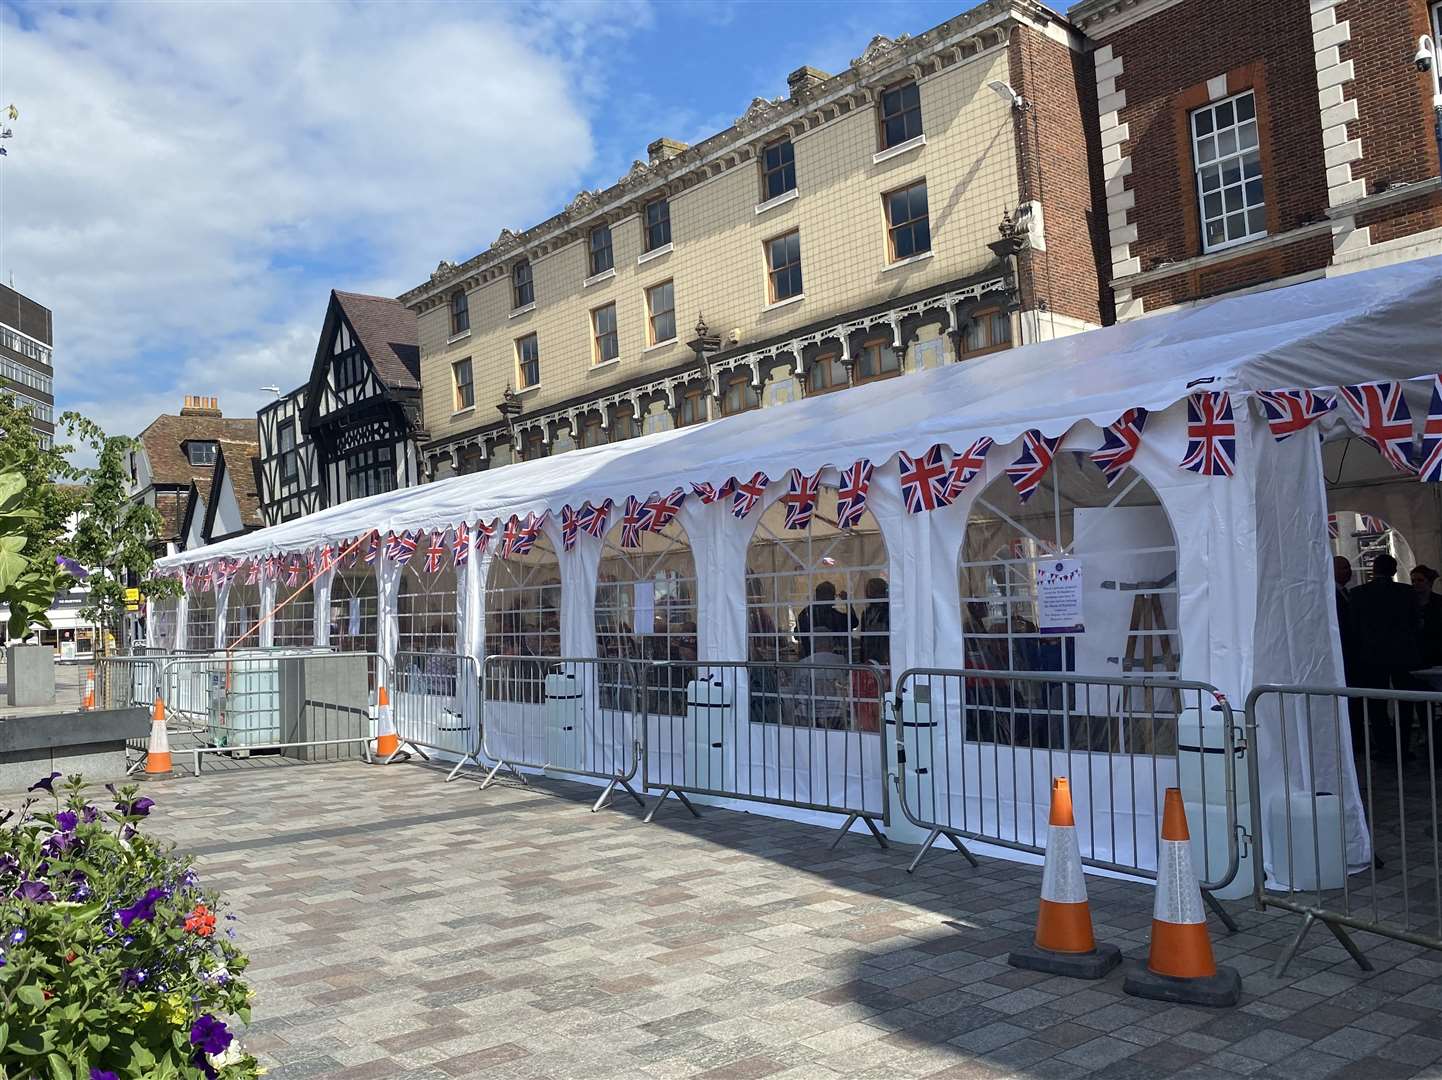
x=461, y=545
x=373, y=549
x=633, y=521
x=570, y=524
x=1121, y=440
x=851, y=494
x=746, y=495
x=965, y=467
x=400, y=547
x=1386, y=422
x=592, y=518
x=708, y=493
x=1333, y=531
x=436, y=552
x=1431, y=471
x=252, y=572
x=521, y=535
x=327, y=558
x=1289, y=411
x=1026, y=472
x=662, y=510
x=1211, y=434
x=1371, y=525
x=800, y=498
x=923, y=480
x=293, y=570
x=484, y=532
x=272, y=567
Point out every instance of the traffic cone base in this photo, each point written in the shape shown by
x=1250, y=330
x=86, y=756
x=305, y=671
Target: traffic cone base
x=1180, y=967
x=387, y=742
x=1064, y=944
x=157, y=754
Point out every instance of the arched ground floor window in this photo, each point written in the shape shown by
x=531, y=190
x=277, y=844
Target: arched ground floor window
x=426, y=603
x=523, y=619
x=353, y=609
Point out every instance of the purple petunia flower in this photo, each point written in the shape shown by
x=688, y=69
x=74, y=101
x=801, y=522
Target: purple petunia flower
x=210, y=1034
x=143, y=910
x=37, y=892
x=18, y=936
x=75, y=570
x=9, y=865
x=2, y=958
x=133, y=977
x=202, y=1063
x=58, y=843
x=47, y=784
x=102, y=1074
x=89, y=814
x=66, y=820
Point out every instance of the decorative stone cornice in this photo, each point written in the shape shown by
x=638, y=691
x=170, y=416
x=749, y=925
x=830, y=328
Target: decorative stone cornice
x=984, y=27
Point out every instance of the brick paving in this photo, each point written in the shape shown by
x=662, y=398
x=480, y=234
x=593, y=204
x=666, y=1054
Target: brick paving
x=400, y=926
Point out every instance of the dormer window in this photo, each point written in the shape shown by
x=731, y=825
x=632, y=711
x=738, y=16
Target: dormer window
x=201, y=452
x=523, y=289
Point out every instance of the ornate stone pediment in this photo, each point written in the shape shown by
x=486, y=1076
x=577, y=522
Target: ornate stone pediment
x=638, y=173
x=583, y=203
x=759, y=112
x=443, y=270
x=506, y=241
x=881, y=49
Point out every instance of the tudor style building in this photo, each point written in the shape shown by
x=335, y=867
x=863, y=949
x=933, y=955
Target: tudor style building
x=351, y=430
x=1250, y=145
x=932, y=202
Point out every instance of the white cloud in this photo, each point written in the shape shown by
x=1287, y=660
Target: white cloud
x=187, y=181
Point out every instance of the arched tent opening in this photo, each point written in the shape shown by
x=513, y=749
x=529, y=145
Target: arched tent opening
x=646, y=610
x=426, y=602
x=523, y=617
x=242, y=609
x=1360, y=538
x=293, y=624
x=160, y=632
x=1080, y=578
x=353, y=606
x=1361, y=481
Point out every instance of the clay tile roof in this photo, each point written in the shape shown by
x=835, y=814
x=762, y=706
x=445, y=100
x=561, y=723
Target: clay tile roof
x=387, y=332
x=163, y=439
x=242, y=463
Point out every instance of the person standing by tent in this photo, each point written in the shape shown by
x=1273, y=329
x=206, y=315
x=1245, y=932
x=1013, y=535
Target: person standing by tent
x=1387, y=622
x=1430, y=605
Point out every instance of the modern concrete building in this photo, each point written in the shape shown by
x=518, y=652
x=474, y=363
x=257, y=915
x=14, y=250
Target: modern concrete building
x=27, y=369
x=932, y=202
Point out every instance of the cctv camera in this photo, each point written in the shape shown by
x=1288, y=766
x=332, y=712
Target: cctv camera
x=1425, y=49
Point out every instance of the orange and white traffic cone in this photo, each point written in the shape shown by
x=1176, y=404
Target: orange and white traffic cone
x=157, y=757
x=1181, y=967
x=1065, y=944
x=387, y=742
x=88, y=701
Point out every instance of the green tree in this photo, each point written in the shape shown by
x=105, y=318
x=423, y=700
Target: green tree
x=112, y=534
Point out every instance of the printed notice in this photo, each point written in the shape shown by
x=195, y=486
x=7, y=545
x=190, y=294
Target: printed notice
x=1059, y=596
x=643, y=608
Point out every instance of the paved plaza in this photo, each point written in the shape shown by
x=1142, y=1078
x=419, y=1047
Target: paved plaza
x=401, y=926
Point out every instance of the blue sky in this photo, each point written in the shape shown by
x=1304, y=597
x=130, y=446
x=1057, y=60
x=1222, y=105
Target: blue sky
x=187, y=181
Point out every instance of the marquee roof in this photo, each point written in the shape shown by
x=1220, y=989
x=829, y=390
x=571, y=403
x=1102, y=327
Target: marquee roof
x=1376, y=324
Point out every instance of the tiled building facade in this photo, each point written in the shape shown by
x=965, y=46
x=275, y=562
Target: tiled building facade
x=850, y=231
x=27, y=371
x=1248, y=145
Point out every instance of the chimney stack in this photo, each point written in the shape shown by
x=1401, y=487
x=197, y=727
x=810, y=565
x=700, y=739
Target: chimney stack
x=200, y=406
x=805, y=78
x=662, y=149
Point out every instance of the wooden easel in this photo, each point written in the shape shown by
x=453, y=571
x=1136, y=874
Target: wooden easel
x=1149, y=652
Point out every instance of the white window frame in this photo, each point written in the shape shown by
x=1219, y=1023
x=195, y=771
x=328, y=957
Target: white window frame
x=1198, y=165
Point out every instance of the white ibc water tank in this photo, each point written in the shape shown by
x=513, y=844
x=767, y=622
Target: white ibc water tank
x=564, y=721
x=1202, y=765
x=710, y=717
x=1316, y=857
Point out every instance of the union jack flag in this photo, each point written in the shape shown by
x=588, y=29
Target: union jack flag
x=923, y=480
x=1289, y=411
x=570, y=523
x=1026, y=472
x=373, y=549
x=521, y=535
x=708, y=493
x=592, y=518
x=662, y=510
x=1332, y=529
x=252, y=572
x=1386, y=422
x=1431, y=471
x=1122, y=438
x=327, y=558
x=801, y=494
x=746, y=495
x=272, y=567
x=436, y=552
x=1211, y=434
x=965, y=467
x=633, y=522
x=400, y=548
x=484, y=533
x=461, y=545
x=293, y=570
x=1371, y=525
x=851, y=495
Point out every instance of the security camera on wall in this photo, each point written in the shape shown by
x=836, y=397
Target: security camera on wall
x=733, y=336
x=1425, y=51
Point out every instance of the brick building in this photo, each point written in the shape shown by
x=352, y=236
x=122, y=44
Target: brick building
x=847, y=232
x=1250, y=145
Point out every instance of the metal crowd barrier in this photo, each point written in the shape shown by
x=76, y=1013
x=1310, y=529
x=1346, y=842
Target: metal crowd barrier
x=577, y=716
x=1313, y=839
x=312, y=705
x=436, y=704
x=975, y=752
x=804, y=735
x=125, y=682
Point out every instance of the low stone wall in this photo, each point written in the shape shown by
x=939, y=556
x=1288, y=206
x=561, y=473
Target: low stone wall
x=91, y=743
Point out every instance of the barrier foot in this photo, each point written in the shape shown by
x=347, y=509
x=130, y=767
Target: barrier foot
x=455, y=772
x=605, y=799
x=1220, y=912
x=937, y=833
x=491, y=776
x=423, y=755
x=840, y=836
x=1337, y=931
x=650, y=814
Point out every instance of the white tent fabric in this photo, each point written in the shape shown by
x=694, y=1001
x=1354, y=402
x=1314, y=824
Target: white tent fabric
x=1254, y=580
